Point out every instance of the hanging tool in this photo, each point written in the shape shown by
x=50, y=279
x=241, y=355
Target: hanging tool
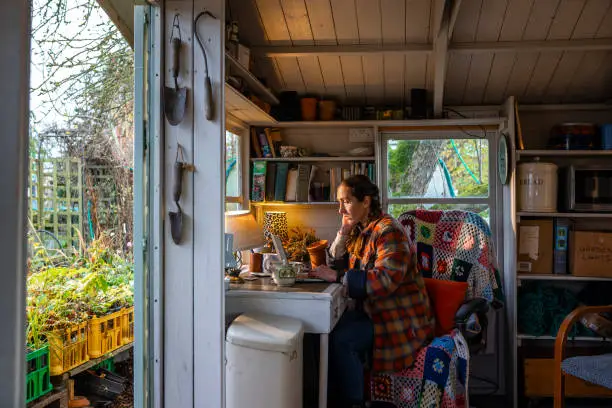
x=175, y=98
x=208, y=98
x=176, y=217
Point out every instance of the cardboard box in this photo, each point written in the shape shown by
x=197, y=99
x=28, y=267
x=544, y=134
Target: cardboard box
x=535, y=246
x=591, y=254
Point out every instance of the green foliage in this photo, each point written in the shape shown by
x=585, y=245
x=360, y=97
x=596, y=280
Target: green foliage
x=94, y=283
x=468, y=166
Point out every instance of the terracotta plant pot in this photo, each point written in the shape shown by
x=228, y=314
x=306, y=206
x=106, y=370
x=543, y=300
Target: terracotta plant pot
x=309, y=109
x=327, y=110
x=318, y=254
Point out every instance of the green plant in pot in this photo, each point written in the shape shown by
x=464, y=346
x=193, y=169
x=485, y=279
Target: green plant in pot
x=297, y=243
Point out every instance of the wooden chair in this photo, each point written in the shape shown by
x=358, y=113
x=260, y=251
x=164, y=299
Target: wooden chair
x=593, y=369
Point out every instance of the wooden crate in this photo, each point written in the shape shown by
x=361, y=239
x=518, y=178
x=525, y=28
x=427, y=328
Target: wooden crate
x=539, y=381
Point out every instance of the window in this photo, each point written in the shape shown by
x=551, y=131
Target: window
x=233, y=171
x=439, y=171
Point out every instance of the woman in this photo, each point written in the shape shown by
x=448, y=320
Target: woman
x=392, y=318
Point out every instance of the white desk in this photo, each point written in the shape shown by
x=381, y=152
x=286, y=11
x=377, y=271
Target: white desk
x=318, y=305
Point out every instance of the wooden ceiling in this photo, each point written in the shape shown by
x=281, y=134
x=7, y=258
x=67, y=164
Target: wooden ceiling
x=375, y=51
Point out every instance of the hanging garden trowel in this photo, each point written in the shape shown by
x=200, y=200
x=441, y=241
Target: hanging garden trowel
x=176, y=218
x=175, y=98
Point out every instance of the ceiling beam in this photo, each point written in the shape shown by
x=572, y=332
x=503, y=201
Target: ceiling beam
x=602, y=44
x=338, y=50
x=447, y=11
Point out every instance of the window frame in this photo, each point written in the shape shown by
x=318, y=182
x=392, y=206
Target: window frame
x=494, y=198
x=242, y=131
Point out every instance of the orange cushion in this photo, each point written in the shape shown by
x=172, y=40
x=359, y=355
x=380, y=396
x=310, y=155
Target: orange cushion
x=445, y=297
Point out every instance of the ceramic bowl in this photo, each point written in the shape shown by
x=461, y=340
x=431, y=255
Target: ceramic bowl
x=283, y=275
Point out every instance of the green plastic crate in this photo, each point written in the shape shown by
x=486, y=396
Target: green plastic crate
x=38, y=382
x=108, y=364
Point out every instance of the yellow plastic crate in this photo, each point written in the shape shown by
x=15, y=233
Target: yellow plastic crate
x=104, y=334
x=127, y=326
x=68, y=348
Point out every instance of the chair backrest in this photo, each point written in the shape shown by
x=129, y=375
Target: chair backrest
x=455, y=245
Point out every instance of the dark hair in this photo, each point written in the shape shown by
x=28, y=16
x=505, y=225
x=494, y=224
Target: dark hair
x=361, y=187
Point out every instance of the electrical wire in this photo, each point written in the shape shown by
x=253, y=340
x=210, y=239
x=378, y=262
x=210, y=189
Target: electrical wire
x=484, y=130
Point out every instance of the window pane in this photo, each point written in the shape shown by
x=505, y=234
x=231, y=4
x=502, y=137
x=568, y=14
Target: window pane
x=233, y=165
x=438, y=168
x=481, y=209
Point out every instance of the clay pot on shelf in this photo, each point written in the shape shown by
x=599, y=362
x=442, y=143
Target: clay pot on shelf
x=309, y=109
x=327, y=110
x=318, y=254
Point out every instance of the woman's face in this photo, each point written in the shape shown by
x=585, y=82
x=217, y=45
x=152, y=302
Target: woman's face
x=351, y=207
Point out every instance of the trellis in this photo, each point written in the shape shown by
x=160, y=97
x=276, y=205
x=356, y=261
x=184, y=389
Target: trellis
x=72, y=200
x=56, y=198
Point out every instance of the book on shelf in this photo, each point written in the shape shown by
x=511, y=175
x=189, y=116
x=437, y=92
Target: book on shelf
x=303, y=182
x=292, y=182
x=280, y=183
x=258, y=185
x=255, y=147
x=270, y=181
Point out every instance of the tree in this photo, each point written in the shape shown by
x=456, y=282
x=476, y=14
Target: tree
x=83, y=70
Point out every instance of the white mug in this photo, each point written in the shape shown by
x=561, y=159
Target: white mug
x=268, y=258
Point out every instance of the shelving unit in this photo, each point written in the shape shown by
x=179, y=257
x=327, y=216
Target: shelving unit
x=418, y=124
x=239, y=106
x=563, y=153
x=293, y=203
x=536, y=134
x=317, y=159
x=256, y=86
x=563, y=215
x=549, y=338
x=563, y=278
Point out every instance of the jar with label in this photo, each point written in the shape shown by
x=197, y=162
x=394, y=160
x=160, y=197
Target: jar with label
x=537, y=187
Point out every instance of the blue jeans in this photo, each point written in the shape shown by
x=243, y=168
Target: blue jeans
x=350, y=342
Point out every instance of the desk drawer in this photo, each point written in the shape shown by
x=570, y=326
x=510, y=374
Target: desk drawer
x=315, y=314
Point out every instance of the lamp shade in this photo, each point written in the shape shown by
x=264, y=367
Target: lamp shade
x=275, y=223
x=247, y=233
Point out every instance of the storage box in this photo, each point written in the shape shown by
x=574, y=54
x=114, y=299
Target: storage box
x=37, y=379
x=535, y=246
x=539, y=381
x=591, y=254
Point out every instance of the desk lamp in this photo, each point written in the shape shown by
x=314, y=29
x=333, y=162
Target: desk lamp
x=241, y=233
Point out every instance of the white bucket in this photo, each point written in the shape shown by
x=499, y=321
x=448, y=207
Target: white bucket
x=537, y=187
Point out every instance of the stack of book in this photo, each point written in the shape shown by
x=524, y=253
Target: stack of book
x=265, y=142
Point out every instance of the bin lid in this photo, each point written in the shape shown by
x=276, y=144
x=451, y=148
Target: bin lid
x=265, y=332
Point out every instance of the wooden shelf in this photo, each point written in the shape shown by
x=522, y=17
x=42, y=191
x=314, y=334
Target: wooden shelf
x=239, y=106
x=556, y=277
x=314, y=204
x=54, y=396
x=424, y=123
x=317, y=159
x=551, y=338
x=564, y=215
x=254, y=84
x=564, y=153
x=87, y=365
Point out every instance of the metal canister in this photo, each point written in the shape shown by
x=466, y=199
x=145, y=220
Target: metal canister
x=537, y=187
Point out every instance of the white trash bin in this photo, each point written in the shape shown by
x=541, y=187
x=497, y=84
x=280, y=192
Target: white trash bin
x=264, y=362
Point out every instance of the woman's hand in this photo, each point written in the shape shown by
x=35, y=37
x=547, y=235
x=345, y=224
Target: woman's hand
x=347, y=225
x=324, y=272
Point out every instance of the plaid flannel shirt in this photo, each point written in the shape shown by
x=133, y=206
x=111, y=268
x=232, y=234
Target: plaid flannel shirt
x=394, y=295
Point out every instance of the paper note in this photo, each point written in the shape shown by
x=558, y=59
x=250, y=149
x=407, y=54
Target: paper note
x=528, y=244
